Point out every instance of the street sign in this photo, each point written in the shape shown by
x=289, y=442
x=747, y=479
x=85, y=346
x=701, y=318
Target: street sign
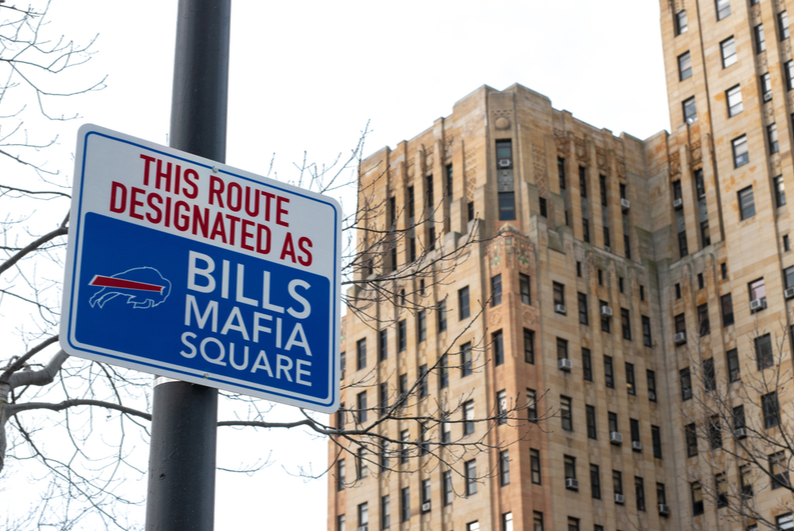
x=184, y=267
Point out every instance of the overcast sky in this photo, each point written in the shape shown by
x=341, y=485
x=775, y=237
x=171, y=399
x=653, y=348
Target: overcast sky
x=309, y=75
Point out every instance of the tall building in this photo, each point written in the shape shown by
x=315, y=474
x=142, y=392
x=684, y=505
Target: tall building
x=616, y=334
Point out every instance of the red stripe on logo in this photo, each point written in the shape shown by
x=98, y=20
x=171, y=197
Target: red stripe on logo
x=110, y=282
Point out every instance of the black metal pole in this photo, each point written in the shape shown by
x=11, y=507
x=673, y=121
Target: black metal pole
x=181, y=491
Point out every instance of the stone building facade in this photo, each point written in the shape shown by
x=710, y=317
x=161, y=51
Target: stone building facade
x=613, y=295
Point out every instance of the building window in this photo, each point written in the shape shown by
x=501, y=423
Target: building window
x=496, y=290
x=425, y=492
x=473, y=526
x=361, y=464
x=708, y=374
x=723, y=8
x=341, y=474
x=784, y=522
x=538, y=521
x=764, y=352
x=656, y=442
x=746, y=484
x=680, y=22
x=740, y=151
x=781, y=195
x=542, y=206
x=727, y=309
x=783, y=26
x=640, y=495
x=441, y=316
x=770, y=410
x=738, y=420
x=734, y=100
x=471, y=476
x=386, y=517
x=469, y=417
x=535, y=467
x=524, y=288
x=590, y=421
x=569, y=467
x=505, y=468
x=612, y=422
x=401, y=335
x=383, y=349
x=422, y=326
x=341, y=523
x=785, y=242
x=596, y=489
x=772, y=139
x=532, y=410
x=404, y=446
x=691, y=441
x=630, y=370
x=497, y=346
x=767, y=87
x=361, y=406
x=449, y=183
x=565, y=413
x=444, y=374
x=759, y=39
x=651, y=383
x=385, y=454
x=558, y=294
x=625, y=327
x=689, y=110
x=634, y=430
x=721, y=490
x=529, y=346
x=466, y=359
x=405, y=504
x=463, y=303
x=661, y=500
x=383, y=398
x=779, y=470
x=361, y=354
x=679, y=324
x=678, y=290
x=587, y=370
x=789, y=73
x=703, y=320
x=604, y=318
x=745, y=198
x=364, y=517
x=507, y=522
x=733, y=365
x=562, y=173
x=342, y=365
x=447, y=481
x=684, y=381
x=609, y=372
x=646, y=325
x=728, y=52
x=422, y=381
x=685, y=68
x=618, y=487
x=788, y=278
x=563, y=349
x=502, y=407
x=470, y=211
x=714, y=432
x=582, y=304
x=697, y=498
x=506, y=204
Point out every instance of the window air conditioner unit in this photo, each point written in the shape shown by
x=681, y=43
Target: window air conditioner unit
x=691, y=119
x=739, y=433
x=560, y=308
x=362, y=528
x=678, y=203
x=607, y=311
x=652, y=395
x=625, y=204
x=572, y=484
x=788, y=293
x=680, y=338
x=616, y=438
x=637, y=446
x=504, y=163
x=619, y=499
x=564, y=364
x=663, y=509
x=767, y=96
x=426, y=507
x=758, y=304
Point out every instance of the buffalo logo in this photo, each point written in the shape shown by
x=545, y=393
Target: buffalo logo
x=144, y=288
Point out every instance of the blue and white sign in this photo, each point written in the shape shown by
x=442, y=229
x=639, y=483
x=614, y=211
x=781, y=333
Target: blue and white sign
x=184, y=267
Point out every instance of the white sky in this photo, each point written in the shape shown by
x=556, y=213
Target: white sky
x=307, y=76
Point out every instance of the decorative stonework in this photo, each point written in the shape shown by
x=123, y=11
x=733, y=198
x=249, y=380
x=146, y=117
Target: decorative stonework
x=621, y=169
x=695, y=151
x=529, y=319
x=540, y=170
x=580, y=148
x=502, y=123
x=561, y=141
x=410, y=168
x=448, y=147
x=495, y=318
x=601, y=158
x=470, y=168
x=674, y=162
